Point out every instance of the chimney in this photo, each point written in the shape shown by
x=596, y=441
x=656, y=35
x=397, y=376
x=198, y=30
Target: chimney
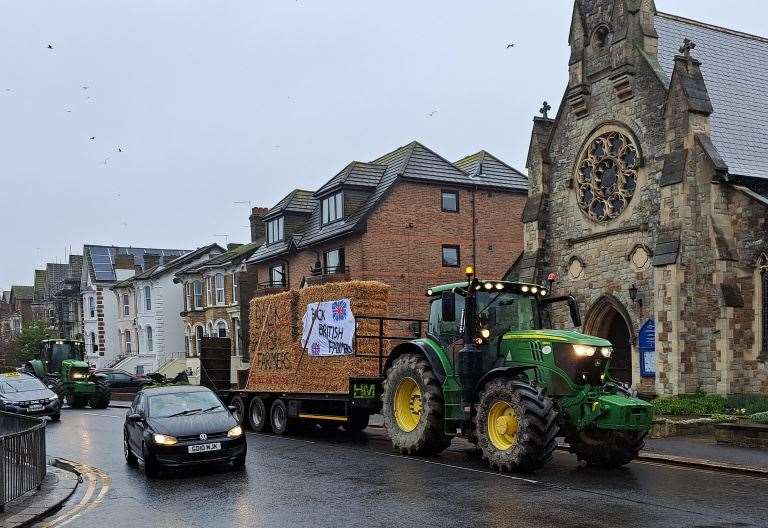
x=258, y=230
x=150, y=261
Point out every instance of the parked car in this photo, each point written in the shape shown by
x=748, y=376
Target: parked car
x=122, y=381
x=175, y=426
x=24, y=394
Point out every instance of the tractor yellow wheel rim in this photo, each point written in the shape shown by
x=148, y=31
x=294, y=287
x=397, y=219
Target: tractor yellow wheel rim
x=407, y=404
x=502, y=426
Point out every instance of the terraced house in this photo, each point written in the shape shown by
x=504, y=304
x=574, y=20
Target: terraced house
x=409, y=218
x=211, y=303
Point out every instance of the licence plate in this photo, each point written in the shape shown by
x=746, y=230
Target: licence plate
x=35, y=408
x=202, y=448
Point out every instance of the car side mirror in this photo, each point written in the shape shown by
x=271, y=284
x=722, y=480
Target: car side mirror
x=135, y=417
x=448, y=301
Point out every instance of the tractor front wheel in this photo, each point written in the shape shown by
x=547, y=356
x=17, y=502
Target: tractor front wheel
x=56, y=386
x=605, y=449
x=413, y=407
x=515, y=425
x=100, y=398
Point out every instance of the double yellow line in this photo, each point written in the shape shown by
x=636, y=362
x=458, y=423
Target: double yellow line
x=97, y=484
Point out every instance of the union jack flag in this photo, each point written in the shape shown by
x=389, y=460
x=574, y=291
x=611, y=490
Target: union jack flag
x=339, y=310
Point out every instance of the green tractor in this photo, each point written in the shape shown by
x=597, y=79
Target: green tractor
x=63, y=368
x=488, y=370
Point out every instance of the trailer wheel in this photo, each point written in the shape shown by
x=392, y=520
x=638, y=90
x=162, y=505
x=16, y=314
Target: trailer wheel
x=239, y=412
x=278, y=417
x=516, y=425
x=257, y=416
x=413, y=407
x=605, y=449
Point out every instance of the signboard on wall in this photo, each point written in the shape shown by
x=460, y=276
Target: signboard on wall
x=328, y=328
x=646, y=343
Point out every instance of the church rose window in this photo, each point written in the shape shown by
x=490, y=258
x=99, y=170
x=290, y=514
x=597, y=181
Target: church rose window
x=606, y=177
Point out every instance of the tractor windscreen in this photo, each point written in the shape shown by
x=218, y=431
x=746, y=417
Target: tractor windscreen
x=61, y=351
x=501, y=312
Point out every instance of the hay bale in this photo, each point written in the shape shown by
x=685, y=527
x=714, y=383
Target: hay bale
x=280, y=363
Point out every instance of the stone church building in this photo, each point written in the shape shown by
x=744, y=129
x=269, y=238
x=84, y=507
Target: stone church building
x=649, y=196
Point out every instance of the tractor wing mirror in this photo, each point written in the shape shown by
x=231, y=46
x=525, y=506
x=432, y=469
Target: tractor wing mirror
x=448, y=301
x=573, y=306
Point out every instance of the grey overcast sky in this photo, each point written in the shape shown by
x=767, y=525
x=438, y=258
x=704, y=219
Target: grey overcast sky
x=214, y=102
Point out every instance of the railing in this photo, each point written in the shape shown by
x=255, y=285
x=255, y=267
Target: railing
x=387, y=333
x=22, y=456
x=329, y=270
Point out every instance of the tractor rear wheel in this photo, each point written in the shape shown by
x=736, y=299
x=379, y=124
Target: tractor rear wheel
x=605, y=449
x=413, y=407
x=516, y=425
x=102, y=395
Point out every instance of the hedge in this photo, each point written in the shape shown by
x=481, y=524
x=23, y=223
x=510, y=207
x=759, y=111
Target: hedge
x=690, y=404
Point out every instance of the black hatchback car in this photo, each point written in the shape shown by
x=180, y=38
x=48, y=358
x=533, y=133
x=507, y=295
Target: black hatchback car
x=176, y=426
x=25, y=394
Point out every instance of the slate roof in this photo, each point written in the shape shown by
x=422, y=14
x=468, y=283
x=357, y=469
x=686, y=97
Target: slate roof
x=39, y=285
x=490, y=170
x=75, y=268
x=24, y=293
x=177, y=263
x=101, y=259
x=233, y=256
x=413, y=162
x=356, y=174
x=298, y=201
x=735, y=69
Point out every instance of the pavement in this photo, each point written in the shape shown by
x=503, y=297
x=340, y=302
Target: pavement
x=329, y=478
x=59, y=484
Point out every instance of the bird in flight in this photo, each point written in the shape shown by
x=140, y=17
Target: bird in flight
x=85, y=87
x=510, y=46
x=92, y=138
x=50, y=46
x=433, y=112
x=119, y=149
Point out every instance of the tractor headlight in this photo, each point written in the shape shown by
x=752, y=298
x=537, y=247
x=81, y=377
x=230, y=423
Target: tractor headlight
x=485, y=333
x=79, y=375
x=235, y=432
x=166, y=440
x=584, y=350
x=606, y=352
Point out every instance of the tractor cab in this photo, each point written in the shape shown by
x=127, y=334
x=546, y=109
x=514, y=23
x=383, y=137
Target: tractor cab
x=54, y=352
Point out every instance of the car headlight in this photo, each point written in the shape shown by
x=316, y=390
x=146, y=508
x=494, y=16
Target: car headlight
x=584, y=350
x=235, y=432
x=606, y=351
x=164, y=439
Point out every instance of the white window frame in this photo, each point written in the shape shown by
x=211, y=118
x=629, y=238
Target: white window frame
x=148, y=298
x=127, y=340
x=188, y=296
x=126, y=305
x=272, y=281
x=150, y=339
x=199, y=339
x=197, y=295
x=276, y=230
x=91, y=306
x=217, y=328
x=332, y=208
x=236, y=337
x=235, y=289
x=220, y=297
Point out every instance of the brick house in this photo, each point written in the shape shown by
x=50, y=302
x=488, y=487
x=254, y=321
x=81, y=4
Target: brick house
x=649, y=196
x=17, y=310
x=410, y=218
x=212, y=301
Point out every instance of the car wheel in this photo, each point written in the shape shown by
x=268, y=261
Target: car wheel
x=257, y=416
x=278, y=417
x=130, y=458
x=55, y=417
x=150, y=464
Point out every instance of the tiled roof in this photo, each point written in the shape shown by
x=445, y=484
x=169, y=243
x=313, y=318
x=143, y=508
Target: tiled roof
x=177, y=263
x=233, y=256
x=413, y=162
x=39, y=285
x=356, y=174
x=486, y=169
x=735, y=69
x=298, y=201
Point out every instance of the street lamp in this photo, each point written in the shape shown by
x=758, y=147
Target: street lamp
x=633, y=295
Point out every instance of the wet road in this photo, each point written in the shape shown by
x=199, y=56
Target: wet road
x=323, y=479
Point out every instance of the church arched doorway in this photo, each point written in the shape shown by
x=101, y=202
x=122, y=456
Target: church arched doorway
x=608, y=319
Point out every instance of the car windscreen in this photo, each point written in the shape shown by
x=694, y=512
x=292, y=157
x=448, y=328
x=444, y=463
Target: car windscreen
x=20, y=384
x=183, y=403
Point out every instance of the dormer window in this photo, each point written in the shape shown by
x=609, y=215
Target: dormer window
x=332, y=208
x=275, y=230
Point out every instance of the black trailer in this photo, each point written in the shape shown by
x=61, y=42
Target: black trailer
x=280, y=411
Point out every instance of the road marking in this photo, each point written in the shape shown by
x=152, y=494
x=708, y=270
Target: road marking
x=706, y=470
x=97, y=480
x=409, y=458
